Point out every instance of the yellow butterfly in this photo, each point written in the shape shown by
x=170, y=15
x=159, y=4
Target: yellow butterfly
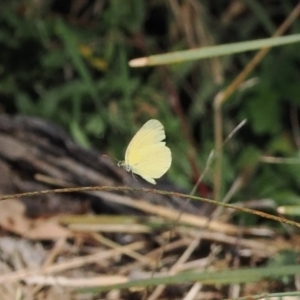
x=147, y=155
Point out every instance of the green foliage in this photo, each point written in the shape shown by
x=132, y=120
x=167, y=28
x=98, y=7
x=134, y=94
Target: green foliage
x=74, y=70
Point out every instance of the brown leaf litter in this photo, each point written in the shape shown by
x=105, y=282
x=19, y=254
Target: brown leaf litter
x=51, y=245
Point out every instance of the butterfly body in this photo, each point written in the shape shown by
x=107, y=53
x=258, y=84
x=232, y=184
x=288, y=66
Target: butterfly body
x=147, y=154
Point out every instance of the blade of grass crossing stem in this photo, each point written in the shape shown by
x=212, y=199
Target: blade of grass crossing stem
x=216, y=277
x=206, y=52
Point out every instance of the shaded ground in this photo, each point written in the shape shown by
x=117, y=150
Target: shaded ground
x=52, y=245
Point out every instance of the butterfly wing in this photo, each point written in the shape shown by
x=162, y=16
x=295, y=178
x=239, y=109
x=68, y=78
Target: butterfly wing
x=146, y=154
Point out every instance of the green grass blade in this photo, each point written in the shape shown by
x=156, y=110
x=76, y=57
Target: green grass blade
x=217, y=277
x=71, y=47
x=206, y=52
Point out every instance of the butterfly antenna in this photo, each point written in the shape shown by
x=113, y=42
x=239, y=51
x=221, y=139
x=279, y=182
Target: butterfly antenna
x=133, y=176
x=106, y=156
